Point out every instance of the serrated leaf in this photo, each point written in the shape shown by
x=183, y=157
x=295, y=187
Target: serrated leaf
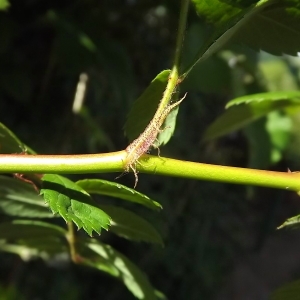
x=292, y=96
x=18, y=198
x=290, y=291
x=4, y=4
x=73, y=203
x=293, y=222
x=131, y=226
x=104, y=257
x=144, y=108
x=112, y=189
x=9, y=143
x=246, y=109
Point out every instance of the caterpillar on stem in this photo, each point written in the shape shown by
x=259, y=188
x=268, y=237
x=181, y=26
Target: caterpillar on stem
x=142, y=144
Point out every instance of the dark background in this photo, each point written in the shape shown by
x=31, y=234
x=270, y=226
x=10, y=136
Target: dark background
x=220, y=239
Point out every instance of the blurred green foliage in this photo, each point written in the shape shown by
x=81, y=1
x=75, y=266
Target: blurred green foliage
x=121, y=46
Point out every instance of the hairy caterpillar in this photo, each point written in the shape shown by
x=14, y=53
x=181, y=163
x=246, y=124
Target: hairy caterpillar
x=142, y=144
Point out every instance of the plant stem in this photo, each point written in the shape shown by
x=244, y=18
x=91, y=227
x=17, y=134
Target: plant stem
x=174, y=74
x=199, y=171
x=71, y=240
x=62, y=164
x=113, y=162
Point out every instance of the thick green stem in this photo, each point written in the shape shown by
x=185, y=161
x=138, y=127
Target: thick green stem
x=113, y=162
x=62, y=164
x=199, y=171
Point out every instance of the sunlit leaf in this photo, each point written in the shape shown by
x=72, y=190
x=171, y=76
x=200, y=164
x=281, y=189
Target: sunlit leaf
x=131, y=226
x=292, y=96
x=290, y=291
x=73, y=203
x=18, y=198
x=246, y=109
x=293, y=222
x=218, y=12
x=112, y=189
x=107, y=259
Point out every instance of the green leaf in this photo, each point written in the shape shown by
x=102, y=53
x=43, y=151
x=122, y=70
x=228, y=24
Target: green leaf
x=130, y=226
x=112, y=189
x=259, y=145
x=73, y=203
x=279, y=21
x=292, y=96
x=268, y=138
x=145, y=106
x=227, y=18
x=18, y=198
x=4, y=4
x=277, y=73
x=293, y=222
x=279, y=128
x=246, y=109
x=168, y=128
x=218, y=12
x=258, y=24
x=9, y=143
x=107, y=259
x=44, y=247
x=290, y=291
x=22, y=229
x=29, y=239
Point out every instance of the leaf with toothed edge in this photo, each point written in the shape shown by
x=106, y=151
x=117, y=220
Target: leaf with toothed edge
x=243, y=110
x=73, y=203
x=116, y=190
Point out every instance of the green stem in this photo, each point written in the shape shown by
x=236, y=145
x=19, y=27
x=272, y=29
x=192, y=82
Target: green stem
x=174, y=74
x=178, y=168
x=113, y=162
x=62, y=164
x=72, y=241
